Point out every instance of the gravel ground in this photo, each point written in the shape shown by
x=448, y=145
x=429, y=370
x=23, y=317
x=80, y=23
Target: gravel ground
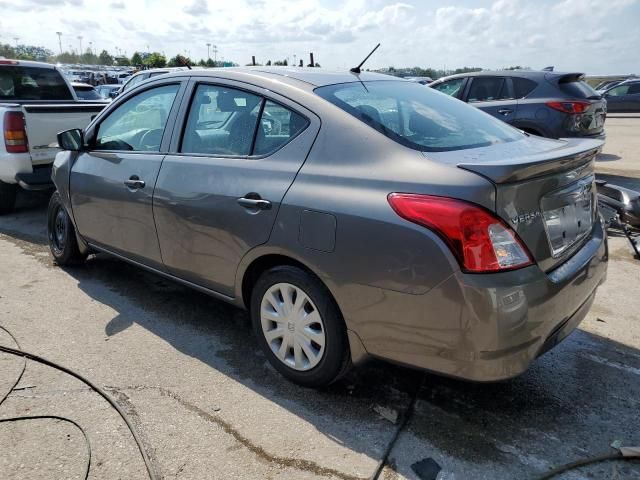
x=207, y=405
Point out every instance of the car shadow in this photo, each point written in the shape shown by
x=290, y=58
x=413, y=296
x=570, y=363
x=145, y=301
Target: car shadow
x=575, y=399
x=607, y=157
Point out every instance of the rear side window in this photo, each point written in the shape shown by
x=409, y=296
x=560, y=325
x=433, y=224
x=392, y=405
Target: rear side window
x=221, y=121
x=277, y=126
x=522, y=86
x=485, y=89
x=578, y=89
x=29, y=83
x=418, y=117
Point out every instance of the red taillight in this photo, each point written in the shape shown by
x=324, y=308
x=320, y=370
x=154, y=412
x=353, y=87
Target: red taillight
x=480, y=241
x=15, y=135
x=9, y=62
x=573, y=106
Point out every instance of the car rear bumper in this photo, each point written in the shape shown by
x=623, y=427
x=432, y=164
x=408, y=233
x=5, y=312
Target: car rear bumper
x=489, y=327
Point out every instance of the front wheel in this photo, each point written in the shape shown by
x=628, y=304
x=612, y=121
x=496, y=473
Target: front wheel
x=299, y=327
x=62, y=235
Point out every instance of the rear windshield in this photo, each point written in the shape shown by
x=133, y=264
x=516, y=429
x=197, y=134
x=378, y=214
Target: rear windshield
x=578, y=89
x=29, y=83
x=87, y=93
x=418, y=117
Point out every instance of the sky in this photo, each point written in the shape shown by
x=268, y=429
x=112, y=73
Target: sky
x=592, y=36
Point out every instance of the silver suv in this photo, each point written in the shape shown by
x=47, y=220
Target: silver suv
x=352, y=215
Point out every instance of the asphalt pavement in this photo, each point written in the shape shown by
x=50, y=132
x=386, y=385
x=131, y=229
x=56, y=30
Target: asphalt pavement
x=190, y=375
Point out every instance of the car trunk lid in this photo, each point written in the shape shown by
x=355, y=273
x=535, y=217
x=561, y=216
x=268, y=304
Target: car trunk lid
x=544, y=190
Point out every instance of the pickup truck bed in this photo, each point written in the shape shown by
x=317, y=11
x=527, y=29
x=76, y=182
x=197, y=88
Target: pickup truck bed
x=36, y=102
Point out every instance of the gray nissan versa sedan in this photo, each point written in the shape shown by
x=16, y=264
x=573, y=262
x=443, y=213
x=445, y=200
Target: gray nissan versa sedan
x=352, y=215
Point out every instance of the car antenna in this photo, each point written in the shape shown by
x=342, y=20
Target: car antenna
x=357, y=70
x=185, y=63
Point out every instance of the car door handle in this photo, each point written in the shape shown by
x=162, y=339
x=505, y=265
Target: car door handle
x=505, y=111
x=255, y=203
x=134, y=182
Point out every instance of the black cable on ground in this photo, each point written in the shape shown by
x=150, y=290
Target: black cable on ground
x=619, y=455
x=405, y=420
x=49, y=363
x=24, y=365
x=62, y=419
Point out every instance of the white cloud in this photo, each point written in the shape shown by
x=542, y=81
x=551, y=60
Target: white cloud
x=583, y=35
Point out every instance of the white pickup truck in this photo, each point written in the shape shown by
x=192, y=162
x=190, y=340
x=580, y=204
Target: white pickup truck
x=36, y=102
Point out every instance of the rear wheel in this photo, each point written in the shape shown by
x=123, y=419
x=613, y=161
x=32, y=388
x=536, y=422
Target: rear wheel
x=299, y=327
x=62, y=235
x=8, y=193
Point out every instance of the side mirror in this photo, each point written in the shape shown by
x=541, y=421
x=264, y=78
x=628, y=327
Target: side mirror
x=72, y=140
x=114, y=93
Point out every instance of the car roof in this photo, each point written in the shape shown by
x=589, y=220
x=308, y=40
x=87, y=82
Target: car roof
x=25, y=63
x=81, y=84
x=512, y=73
x=315, y=77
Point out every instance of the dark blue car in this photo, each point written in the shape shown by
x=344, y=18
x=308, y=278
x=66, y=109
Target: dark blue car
x=549, y=104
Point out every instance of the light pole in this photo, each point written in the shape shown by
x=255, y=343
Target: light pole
x=80, y=39
x=59, y=41
x=16, y=39
x=91, y=47
x=215, y=54
x=208, y=51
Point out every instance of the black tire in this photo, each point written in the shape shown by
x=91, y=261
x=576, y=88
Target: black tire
x=336, y=359
x=62, y=234
x=8, y=193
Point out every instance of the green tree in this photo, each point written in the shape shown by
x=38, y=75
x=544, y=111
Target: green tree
x=179, y=61
x=202, y=63
x=7, y=51
x=104, y=58
x=136, y=59
x=89, y=58
x=123, y=61
x=155, y=60
x=67, y=57
x=211, y=63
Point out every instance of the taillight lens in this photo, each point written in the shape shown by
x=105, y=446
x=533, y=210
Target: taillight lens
x=480, y=241
x=570, y=107
x=15, y=135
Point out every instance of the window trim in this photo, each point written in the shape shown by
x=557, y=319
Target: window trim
x=93, y=130
x=183, y=119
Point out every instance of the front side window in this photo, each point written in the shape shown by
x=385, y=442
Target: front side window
x=138, y=124
x=486, y=89
x=133, y=82
x=277, y=126
x=451, y=87
x=421, y=119
x=221, y=121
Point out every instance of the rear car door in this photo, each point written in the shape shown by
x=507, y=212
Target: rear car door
x=493, y=95
x=112, y=182
x=218, y=193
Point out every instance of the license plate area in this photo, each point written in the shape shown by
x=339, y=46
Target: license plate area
x=569, y=214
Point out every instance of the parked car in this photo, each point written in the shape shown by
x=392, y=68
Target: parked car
x=420, y=80
x=624, y=97
x=108, y=92
x=548, y=104
x=376, y=217
x=143, y=75
x=604, y=86
x=85, y=91
x=36, y=102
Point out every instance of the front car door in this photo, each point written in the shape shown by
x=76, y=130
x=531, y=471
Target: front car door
x=493, y=95
x=112, y=182
x=618, y=97
x=218, y=193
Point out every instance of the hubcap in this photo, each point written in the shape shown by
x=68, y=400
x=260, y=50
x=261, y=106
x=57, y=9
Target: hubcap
x=292, y=326
x=59, y=229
